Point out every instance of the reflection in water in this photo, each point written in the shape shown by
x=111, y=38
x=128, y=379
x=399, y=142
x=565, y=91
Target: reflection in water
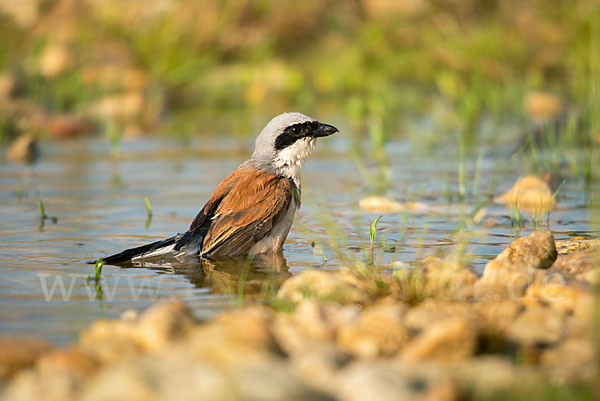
x=250, y=277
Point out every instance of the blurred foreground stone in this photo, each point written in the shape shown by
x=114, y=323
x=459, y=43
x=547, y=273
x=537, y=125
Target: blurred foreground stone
x=345, y=335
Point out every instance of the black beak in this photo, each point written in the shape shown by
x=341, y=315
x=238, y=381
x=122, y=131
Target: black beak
x=324, y=130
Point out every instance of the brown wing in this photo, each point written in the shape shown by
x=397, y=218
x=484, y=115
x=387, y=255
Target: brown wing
x=255, y=203
x=202, y=221
x=241, y=211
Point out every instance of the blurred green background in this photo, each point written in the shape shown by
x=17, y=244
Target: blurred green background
x=165, y=66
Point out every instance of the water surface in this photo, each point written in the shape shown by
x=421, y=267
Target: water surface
x=99, y=203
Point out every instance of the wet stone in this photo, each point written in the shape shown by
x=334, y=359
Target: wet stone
x=516, y=267
x=537, y=250
x=575, y=244
x=582, y=264
x=19, y=352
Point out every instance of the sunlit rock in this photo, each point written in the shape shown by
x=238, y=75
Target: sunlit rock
x=572, y=360
x=70, y=362
x=18, y=352
x=529, y=193
x=379, y=204
x=446, y=340
x=517, y=266
x=319, y=366
x=387, y=8
x=231, y=337
x=55, y=59
x=123, y=106
x=582, y=264
x=162, y=324
x=448, y=278
x=155, y=329
x=575, y=298
x=575, y=244
x=495, y=317
x=51, y=385
x=343, y=287
x=390, y=381
x=24, y=149
x=475, y=374
x=378, y=330
x=537, y=250
x=24, y=13
x=317, y=319
x=537, y=326
x=431, y=311
x=543, y=105
x=7, y=86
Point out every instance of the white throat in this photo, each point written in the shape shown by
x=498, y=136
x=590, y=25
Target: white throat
x=289, y=160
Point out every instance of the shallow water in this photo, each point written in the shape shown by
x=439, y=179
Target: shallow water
x=99, y=203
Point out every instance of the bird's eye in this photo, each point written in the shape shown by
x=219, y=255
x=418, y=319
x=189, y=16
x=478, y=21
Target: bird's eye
x=295, y=130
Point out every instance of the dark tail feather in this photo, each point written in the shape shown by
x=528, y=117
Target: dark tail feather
x=130, y=253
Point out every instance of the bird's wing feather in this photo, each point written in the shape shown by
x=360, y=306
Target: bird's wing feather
x=246, y=215
x=202, y=220
x=241, y=211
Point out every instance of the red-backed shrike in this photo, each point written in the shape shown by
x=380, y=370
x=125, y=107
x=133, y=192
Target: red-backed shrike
x=251, y=210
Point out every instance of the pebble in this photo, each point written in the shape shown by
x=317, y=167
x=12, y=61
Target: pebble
x=516, y=267
x=378, y=331
x=344, y=287
x=19, y=352
x=447, y=340
x=24, y=149
x=537, y=326
x=530, y=194
x=379, y=204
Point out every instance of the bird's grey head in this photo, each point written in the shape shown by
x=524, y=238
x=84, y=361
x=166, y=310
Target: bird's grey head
x=286, y=141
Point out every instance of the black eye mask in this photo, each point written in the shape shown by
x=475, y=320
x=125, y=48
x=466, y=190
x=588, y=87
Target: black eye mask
x=293, y=133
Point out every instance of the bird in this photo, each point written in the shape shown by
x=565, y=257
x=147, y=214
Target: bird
x=251, y=211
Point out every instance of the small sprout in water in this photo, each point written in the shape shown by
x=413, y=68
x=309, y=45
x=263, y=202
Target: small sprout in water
x=97, y=276
x=148, y=211
x=43, y=215
x=98, y=269
x=373, y=231
x=148, y=206
x=316, y=248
